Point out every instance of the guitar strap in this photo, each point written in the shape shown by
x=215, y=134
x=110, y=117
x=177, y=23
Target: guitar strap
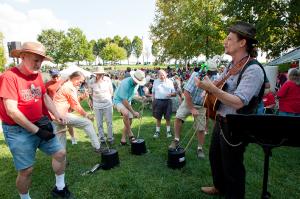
x=234, y=70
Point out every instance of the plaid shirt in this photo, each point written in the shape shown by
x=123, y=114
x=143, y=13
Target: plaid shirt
x=195, y=92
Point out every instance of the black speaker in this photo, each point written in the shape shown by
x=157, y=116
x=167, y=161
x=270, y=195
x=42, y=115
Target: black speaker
x=12, y=46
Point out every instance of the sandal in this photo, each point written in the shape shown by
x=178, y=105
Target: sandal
x=123, y=143
x=132, y=139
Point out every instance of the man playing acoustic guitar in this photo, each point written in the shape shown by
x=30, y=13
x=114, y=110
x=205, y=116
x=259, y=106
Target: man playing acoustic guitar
x=244, y=78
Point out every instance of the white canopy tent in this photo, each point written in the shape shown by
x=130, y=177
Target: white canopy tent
x=68, y=71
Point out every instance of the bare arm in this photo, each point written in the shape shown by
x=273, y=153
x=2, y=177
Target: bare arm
x=189, y=102
x=51, y=107
x=128, y=106
x=188, y=99
x=11, y=107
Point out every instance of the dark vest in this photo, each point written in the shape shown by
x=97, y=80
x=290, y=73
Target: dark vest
x=252, y=106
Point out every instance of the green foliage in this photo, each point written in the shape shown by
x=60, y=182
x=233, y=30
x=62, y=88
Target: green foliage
x=188, y=28
x=72, y=46
x=154, y=49
x=112, y=52
x=137, y=46
x=54, y=41
x=277, y=22
x=2, y=54
x=282, y=68
x=81, y=50
x=117, y=39
x=126, y=44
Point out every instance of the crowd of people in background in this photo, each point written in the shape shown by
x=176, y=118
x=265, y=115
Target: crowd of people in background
x=27, y=106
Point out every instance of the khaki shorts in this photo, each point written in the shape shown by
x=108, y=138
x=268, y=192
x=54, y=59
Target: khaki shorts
x=121, y=108
x=199, y=122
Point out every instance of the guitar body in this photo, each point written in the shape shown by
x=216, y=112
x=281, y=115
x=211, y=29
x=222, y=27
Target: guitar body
x=211, y=103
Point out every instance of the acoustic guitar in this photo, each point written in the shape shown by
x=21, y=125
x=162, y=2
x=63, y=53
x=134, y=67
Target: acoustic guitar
x=211, y=103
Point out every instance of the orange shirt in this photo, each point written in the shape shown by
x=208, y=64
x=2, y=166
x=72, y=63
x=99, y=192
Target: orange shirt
x=66, y=97
x=52, y=86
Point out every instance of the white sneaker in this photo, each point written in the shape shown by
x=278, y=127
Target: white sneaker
x=156, y=134
x=74, y=141
x=200, y=153
x=169, y=134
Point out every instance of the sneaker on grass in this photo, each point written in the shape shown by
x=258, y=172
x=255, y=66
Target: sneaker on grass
x=169, y=134
x=174, y=145
x=102, y=140
x=156, y=134
x=200, y=153
x=65, y=193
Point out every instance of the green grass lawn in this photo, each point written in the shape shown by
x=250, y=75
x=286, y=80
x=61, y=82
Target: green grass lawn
x=147, y=176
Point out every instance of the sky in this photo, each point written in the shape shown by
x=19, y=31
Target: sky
x=23, y=20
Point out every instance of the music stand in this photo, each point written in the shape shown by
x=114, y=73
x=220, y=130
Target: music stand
x=268, y=131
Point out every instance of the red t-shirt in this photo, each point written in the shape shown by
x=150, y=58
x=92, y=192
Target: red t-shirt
x=269, y=99
x=289, y=97
x=28, y=91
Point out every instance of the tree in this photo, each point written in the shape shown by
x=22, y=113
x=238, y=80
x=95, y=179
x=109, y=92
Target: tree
x=55, y=43
x=154, y=51
x=117, y=39
x=2, y=54
x=184, y=29
x=89, y=53
x=112, y=52
x=101, y=43
x=126, y=44
x=81, y=50
x=277, y=22
x=137, y=46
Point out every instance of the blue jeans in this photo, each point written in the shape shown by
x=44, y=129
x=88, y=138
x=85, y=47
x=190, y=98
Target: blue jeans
x=23, y=145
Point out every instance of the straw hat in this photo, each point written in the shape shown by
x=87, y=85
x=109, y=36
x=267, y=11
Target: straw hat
x=138, y=77
x=212, y=65
x=100, y=70
x=31, y=47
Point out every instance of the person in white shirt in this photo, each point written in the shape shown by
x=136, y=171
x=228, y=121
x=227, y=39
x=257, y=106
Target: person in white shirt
x=102, y=92
x=162, y=91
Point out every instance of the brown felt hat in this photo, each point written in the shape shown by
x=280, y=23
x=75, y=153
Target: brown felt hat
x=244, y=29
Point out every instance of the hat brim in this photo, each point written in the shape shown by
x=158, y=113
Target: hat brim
x=139, y=82
x=17, y=52
x=232, y=29
x=212, y=69
x=103, y=72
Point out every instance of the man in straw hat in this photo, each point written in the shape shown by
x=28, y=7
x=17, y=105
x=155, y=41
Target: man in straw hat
x=122, y=101
x=102, y=92
x=243, y=91
x=25, y=127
